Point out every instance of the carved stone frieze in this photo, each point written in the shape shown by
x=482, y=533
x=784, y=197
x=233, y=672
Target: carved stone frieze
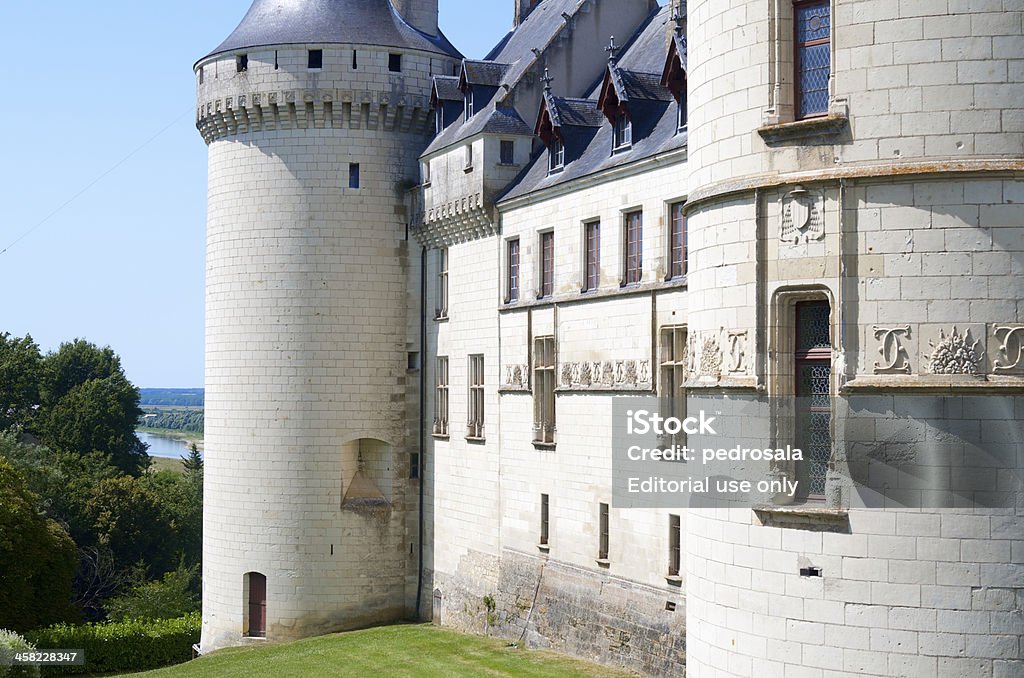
x=956, y=353
x=895, y=359
x=606, y=374
x=516, y=377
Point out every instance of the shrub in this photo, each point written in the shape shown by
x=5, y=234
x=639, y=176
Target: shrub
x=167, y=598
x=10, y=643
x=122, y=647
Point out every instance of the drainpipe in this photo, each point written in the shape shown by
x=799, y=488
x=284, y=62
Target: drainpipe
x=422, y=424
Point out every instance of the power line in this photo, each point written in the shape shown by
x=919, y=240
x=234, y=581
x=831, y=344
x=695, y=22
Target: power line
x=95, y=181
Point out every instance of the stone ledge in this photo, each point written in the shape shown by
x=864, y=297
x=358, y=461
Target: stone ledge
x=827, y=126
x=954, y=384
x=803, y=517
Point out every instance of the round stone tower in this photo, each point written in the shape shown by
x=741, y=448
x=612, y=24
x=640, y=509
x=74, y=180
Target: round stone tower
x=856, y=221
x=315, y=112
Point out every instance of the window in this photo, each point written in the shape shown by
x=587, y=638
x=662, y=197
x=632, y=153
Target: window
x=395, y=63
x=414, y=466
x=633, y=248
x=545, y=517
x=316, y=58
x=425, y=171
x=547, y=265
x=202, y=75
x=441, y=398
x=355, y=60
x=256, y=610
x=544, y=390
x=475, y=428
x=673, y=375
x=469, y=156
x=813, y=363
x=675, y=535
x=681, y=112
x=242, y=63
x=508, y=156
x=277, y=61
x=469, y=103
x=677, y=243
x=592, y=256
x=513, y=271
x=353, y=175
x=556, y=156
x=622, y=133
x=438, y=119
x=442, y=283
x=813, y=57
x=602, y=549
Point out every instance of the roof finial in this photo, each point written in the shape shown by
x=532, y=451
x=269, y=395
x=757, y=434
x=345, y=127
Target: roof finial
x=547, y=80
x=679, y=16
x=613, y=51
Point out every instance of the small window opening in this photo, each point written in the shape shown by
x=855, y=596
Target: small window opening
x=414, y=360
x=507, y=153
x=414, y=465
x=202, y=75
x=353, y=175
x=602, y=551
x=545, y=519
x=355, y=60
x=395, y=63
x=242, y=63
x=277, y=60
x=316, y=58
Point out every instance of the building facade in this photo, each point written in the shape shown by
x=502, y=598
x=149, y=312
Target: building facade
x=433, y=282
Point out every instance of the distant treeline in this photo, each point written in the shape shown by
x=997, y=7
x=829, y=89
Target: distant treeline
x=172, y=397
x=173, y=420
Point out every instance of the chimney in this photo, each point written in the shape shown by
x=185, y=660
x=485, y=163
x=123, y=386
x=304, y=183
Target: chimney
x=523, y=9
x=420, y=14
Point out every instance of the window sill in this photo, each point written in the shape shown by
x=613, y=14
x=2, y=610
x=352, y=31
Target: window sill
x=475, y=441
x=508, y=164
x=674, y=579
x=809, y=517
x=544, y=548
x=825, y=126
x=425, y=184
x=440, y=436
x=556, y=170
x=603, y=562
x=467, y=170
x=543, y=446
x=622, y=149
x=441, y=318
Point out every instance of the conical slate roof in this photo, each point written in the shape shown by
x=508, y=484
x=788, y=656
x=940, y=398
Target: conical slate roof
x=363, y=22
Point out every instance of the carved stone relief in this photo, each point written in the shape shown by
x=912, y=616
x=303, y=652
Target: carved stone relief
x=803, y=216
x=711, y=358
x=1010, y=346
x=516, y=377
x=737, y=358
x=954, y=354
x=895, y=359
x=599, y=374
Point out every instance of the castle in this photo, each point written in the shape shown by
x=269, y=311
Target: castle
x=433, y=283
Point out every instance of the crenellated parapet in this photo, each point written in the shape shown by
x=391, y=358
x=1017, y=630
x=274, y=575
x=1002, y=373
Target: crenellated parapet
x=313, y=109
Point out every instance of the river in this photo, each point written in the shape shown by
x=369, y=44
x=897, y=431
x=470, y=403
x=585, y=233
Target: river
x=162, y=446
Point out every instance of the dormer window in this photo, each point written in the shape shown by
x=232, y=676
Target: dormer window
x=622, y=133
x=556, y=156
x=681, y=117
x=469, y=103
x=438, y=120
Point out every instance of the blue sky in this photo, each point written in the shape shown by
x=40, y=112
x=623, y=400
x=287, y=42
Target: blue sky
x=86, y=85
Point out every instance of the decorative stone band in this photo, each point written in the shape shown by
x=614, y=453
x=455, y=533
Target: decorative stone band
x=306, y=109
x=460, y=220
x=516, y=378
x=968, y=350
x=606, y=375
x=739, y=185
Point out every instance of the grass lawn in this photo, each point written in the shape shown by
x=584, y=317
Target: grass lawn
x=409, y=651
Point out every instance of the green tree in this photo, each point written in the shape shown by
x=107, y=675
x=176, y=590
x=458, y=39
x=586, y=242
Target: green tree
x=171, y=597
x=193, y=463
x=37, y=559
x=20, y=375
x=99, y=415
x=75, y=363
x=129, y=518
x=181, y=496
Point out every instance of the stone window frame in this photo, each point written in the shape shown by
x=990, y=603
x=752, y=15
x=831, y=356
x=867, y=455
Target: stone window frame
x=545, y=362
x=625, y=278
x=442, y=290
x=507, y=267
x=590, y=283
x=604, y=534
x=476, y=409
x=544, y=543
x=545, y=274
x=670, y=212
x=441, y=397
x=782, y=370
x=672, y=359
x=675, y=548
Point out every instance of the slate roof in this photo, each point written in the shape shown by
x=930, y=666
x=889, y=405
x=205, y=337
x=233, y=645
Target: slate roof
x=446, y=88
x=566, y=112
x=652, y=109
x=362, y=22
x=486, y=73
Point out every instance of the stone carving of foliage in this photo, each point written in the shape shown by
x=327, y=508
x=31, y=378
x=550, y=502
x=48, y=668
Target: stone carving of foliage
x=954, y=354
x=711, y=358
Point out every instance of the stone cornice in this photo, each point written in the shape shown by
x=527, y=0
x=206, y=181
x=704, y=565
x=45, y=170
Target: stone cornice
x=888, y=169
x=305, y=109
x=460, y=220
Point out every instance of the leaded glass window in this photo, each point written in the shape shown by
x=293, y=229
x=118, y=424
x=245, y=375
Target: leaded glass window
x=813, y=57
x=814, y=395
